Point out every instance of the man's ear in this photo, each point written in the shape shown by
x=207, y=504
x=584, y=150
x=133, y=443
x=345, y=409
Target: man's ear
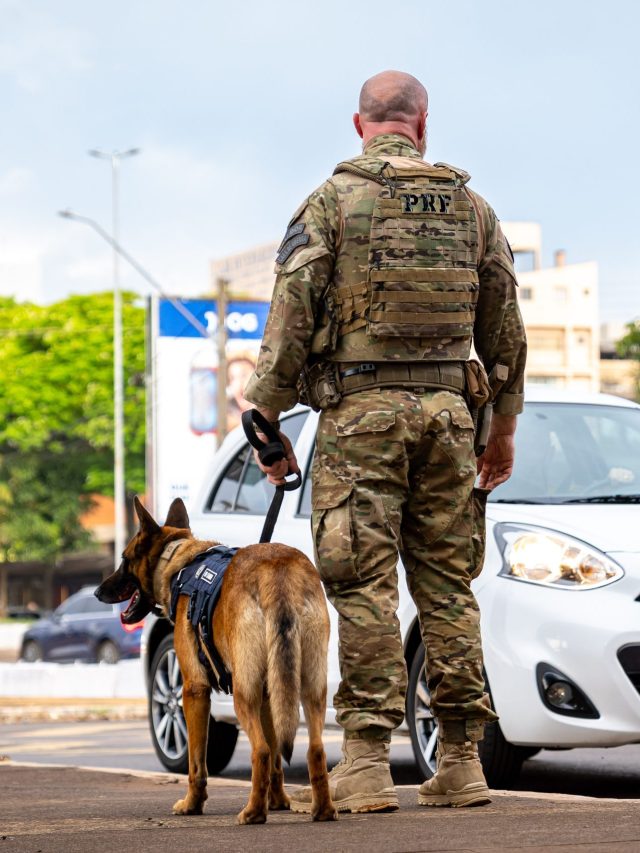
x=422, y=126
x=357, y=124
x=145, y=518
x=177, y=515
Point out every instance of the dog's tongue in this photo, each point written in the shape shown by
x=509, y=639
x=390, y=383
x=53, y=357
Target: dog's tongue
x=135, y=598
x=136, y=610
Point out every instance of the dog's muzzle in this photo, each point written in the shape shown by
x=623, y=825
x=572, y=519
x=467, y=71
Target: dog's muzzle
x=122, y=585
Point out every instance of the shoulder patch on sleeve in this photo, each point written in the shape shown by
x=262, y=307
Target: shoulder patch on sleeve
x=293, y=238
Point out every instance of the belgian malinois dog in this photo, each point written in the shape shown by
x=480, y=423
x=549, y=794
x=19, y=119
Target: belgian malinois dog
x=271, y=629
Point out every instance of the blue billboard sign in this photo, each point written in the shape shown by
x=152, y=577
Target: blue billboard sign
x=244, y=320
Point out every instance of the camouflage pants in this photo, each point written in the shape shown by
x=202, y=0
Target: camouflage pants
x=393, y=474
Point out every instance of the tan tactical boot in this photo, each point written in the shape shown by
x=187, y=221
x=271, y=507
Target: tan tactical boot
x=459, y=780
x=361, y=782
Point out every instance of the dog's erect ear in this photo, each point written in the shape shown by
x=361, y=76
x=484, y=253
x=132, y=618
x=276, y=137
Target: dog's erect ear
x=177, y=515
x=146, y=519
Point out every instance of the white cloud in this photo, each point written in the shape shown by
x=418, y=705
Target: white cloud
x=34, y=47
x=16, y=181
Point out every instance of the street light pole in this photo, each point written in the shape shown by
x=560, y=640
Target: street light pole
x=118, y=385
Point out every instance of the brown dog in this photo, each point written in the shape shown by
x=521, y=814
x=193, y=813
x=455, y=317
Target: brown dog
x=271, y=629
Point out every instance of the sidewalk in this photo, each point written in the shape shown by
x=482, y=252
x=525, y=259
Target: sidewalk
x=75, y=810
x=32, y=709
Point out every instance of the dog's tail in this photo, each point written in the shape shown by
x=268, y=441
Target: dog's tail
x=283, y=674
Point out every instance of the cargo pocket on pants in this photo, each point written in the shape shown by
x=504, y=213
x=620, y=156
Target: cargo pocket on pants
x=479, y=532
x=333, y=533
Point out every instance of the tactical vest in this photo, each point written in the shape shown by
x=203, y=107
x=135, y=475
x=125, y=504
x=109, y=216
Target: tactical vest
x=405, y=279
x=201, y=580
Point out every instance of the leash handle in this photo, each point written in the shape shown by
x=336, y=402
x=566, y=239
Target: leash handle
x=271, y=452
x=268, y=453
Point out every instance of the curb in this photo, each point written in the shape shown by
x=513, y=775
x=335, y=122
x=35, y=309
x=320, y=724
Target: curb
x=216, y=782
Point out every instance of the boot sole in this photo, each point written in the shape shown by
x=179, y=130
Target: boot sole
x=475, y=794
x=356, y=804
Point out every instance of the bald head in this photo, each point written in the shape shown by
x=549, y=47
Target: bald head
x=392, y=96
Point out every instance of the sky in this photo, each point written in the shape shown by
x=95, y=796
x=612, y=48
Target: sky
x=240, y=110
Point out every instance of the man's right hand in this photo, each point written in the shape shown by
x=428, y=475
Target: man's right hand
x=277, y=472
x=496, y=463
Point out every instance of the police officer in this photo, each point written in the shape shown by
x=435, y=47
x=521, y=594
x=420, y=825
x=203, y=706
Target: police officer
x=386, y=275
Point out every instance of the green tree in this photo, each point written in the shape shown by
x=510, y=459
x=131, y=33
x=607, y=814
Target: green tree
x=629, y=347
x=56, y=417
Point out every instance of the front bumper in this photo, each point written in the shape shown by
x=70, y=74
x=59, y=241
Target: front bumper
x=578, y=632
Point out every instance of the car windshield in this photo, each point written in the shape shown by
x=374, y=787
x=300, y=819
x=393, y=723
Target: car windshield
x=574, y=453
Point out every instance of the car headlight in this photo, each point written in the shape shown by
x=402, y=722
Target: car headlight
x=552, y=559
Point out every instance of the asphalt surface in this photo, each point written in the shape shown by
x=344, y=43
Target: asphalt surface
x=46, y=810
x=121, y=743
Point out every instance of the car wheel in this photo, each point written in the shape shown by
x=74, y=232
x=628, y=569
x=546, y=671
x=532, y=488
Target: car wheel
x=167, y=723
x=501, y=760
x=31, y=651
x=423, y=728
x=107, y=652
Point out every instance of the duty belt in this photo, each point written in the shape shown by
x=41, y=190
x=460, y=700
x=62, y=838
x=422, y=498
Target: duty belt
x=436, y=374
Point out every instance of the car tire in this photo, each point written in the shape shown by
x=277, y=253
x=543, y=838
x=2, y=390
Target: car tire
x=167, y=723
x=501, y=760
x=107, y=652
x=31, y=652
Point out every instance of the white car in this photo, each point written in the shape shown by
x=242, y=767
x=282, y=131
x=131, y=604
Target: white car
x=559, y=592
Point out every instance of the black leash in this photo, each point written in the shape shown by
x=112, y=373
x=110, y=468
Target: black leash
x=270, y=453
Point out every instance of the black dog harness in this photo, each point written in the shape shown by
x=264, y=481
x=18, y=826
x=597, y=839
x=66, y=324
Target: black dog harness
x=201, y=580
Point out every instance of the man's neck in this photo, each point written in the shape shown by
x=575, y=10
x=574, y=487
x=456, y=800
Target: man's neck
x=372, y=129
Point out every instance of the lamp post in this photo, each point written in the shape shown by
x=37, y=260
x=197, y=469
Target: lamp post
x=118, y=387
x=137, y=266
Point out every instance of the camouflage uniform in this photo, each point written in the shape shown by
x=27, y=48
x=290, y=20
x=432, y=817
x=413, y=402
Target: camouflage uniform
x=394, y=467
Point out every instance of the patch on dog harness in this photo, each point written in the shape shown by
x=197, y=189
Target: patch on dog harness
x=201, y=580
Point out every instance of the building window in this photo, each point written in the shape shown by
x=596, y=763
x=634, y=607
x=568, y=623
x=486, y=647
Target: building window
x=526, y=293
x=532, y=379
x=545, y=339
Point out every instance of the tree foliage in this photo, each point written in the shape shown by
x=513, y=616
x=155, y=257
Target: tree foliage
x=56, y=417
x=629, y=347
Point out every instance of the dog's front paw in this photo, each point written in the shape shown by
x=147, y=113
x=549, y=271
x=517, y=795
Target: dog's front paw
x=248, y=815
x=187, y=806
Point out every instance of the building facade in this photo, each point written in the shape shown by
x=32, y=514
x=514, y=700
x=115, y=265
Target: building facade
x=559, y=306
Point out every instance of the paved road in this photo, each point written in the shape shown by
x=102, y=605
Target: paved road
x=590, y=772
x=74, y=811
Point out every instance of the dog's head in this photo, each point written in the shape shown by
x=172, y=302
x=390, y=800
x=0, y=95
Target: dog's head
x=134, y=577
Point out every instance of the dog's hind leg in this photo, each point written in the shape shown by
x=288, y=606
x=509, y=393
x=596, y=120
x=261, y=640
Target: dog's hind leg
x=314, y=710
x=248, y=711
x=277, y=797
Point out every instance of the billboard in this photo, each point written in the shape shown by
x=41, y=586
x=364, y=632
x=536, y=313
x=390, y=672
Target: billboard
x=182, y=368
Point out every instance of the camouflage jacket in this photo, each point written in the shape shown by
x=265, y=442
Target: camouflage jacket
x=305, y=267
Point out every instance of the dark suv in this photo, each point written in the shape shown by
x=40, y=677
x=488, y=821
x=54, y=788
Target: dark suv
x=82, y=628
